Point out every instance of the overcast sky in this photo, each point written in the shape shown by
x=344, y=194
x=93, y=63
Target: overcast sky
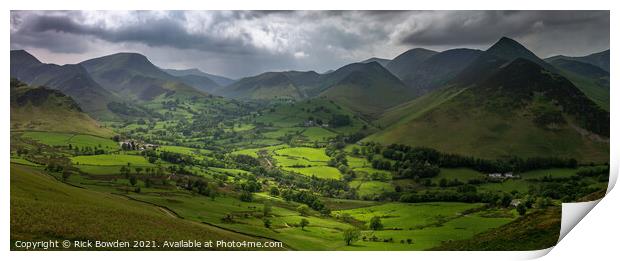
x=242, y=43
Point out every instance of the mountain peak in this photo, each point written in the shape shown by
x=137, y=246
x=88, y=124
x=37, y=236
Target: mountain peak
x=409, y=61
x=510, y=49
x=23, y=57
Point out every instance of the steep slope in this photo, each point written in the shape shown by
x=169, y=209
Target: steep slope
x=133, y=75
x=367, y=88
x=383, y=62
x=219, y=80
x=71, y=79
x=600, y=59
x=521, y=109
x=503, y=52
x=271, y=85
x=43, y=109
x=43, y=208
x=591, y=80
x=535, y=231
x=439, y=69
x=408, y=61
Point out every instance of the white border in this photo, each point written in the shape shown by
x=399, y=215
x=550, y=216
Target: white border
x=593, y=238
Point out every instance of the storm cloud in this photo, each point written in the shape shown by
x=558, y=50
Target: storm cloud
x=242, y=43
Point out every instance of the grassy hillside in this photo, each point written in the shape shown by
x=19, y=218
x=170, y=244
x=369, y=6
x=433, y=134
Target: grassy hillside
x=44, y=109
x=133, y=75
x=219, y=80
x=43, y=208
x=272, y=85
x=368, y=89
x=408, y=61
x=503, y=116
x=535, y=231
x=591, y=80
x=73, y=80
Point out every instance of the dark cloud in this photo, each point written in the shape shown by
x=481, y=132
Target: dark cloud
x=483, y=27
x=240, y=43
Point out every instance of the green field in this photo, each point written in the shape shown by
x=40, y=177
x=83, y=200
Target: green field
x=43, y=208
x=371, y=188
x=66, y=139
x=318, y=171
x=310, y=154
x=555, y=173
x=426, y=224
x=112, y=160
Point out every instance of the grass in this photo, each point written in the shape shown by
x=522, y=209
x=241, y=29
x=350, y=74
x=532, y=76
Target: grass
x=371, y=188
x=183, y=150
x=318, y=171
x=66, y=139
x=111, y=160
x=457, y=126
x=538, y=230
x=311, y=154
x=426, y=224
x=22, y=161
x=321, y=233
x=43, y=208
x=555, y=173
x=318, y=134
x=508, y=185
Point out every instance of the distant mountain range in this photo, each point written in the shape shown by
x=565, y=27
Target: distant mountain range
x=506, y=102
x=201, y=79
x=383, y=62
x=133, y=75
x=502, y=101
x=600, y=59
x=71, y=79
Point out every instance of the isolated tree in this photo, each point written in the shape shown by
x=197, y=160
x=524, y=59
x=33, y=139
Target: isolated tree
x=351, y=235
x=274, y=191
x=138, y=170
x=303, y=223
x=266, y=209
x=303, y=210
x=133, y=180
x=375, y=223
x=246, y=196
x=521, y=209
x=267, y=222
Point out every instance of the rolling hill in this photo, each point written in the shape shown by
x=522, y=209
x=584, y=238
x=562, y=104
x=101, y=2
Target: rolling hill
x=219, y=80
x=71, y=79
x=367, y=88
x=516, y=107
x=133, y=75
x=600, y=59
x=271, y=85
x=408, y=61
x=383, y=62
x=43, y=208
x=44, y=109
x=591, y=80
x=439, y=69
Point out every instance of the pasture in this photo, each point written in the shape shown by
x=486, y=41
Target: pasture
x=66, y=139
x=324, y=172
x=43, y=208
x=112, y=160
